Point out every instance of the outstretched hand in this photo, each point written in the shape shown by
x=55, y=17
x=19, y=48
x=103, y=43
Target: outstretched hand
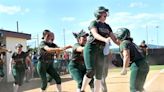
x=62, y=49
x=67, y=47
x=9, y=51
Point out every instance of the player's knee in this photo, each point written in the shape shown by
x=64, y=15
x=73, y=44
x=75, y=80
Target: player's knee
x=58, y=80
x=90, y=73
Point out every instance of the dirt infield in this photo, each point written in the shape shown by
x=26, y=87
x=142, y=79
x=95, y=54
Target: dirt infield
x=155, y=82
x=115, y=83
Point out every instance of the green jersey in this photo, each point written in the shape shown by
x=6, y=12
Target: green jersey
x=19, y=59
x=43, y=54
x=102, y=28
x=135, y=52
x=77, y=56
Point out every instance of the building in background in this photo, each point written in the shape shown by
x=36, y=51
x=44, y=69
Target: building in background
x=10, y=38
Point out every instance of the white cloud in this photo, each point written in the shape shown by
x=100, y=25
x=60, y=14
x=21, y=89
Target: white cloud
x=68, y=19
x=85, y=23
x=161, y=16
x=137, y=4
x=12, y=9
x=135, y=21
x=9, y=9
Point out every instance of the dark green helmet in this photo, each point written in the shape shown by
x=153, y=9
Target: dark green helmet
x=122, y=33
x=80, y=34
x=100, y=10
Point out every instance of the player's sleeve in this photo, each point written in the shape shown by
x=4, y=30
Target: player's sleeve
x=93, y=24
x=13, y=55
x=42, y=45
x=75, y=47
x=124, y=46
x=56, y=46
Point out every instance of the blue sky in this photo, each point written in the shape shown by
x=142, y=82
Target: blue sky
x=145, y=18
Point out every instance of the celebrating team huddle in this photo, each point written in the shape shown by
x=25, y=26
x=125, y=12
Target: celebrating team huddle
x=88, y=60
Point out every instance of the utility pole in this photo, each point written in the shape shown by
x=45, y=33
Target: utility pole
x=17, y=26
x=64, y=36
x=157, y=36
x=147, y=34
x=38, y=40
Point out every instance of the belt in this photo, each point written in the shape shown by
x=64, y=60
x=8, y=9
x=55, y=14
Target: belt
x=19, y=62
x=100, y=45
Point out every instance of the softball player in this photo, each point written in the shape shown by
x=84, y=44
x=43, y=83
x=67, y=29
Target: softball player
x=131, y=54
x=2, y=51
x=76, y=66
x=28, y=72
x=1, y=68
x=100, y=34
x=45, y=64
x=144, y=48
x=18, y=66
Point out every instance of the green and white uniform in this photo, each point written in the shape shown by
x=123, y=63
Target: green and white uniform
x=139, y=67
x=18, y=68
x=45, y=65
x=76, y=66
x=93, y=50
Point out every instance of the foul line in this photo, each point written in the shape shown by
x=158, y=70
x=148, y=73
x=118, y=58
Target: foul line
x=153, y=79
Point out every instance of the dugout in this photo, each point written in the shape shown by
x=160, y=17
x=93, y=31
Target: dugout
x=156, y=56
x=117, y=60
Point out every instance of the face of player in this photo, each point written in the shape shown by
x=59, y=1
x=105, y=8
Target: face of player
x=51, y=37
x=103, y=16
x=46, y=36
x=19, y=49
x=83, y=40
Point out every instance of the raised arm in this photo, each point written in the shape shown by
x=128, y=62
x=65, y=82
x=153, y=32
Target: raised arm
x=57, y=49
x=114, y=39
x=2, y=49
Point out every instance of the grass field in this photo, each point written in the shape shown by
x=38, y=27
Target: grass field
x=156, y=67
x=152, y=67
x=115, y=82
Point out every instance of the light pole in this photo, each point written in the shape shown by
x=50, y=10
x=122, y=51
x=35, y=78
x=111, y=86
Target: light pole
x=17, y=26
x=157, y=35
x=36, y=40
x=147, y=34
x=64, y=36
